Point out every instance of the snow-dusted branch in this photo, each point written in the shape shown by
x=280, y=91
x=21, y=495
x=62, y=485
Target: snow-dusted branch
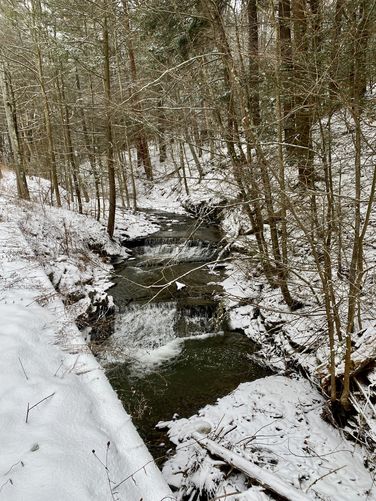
x=263, y=477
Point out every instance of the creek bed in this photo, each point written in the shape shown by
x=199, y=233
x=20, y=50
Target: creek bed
x=173, y=352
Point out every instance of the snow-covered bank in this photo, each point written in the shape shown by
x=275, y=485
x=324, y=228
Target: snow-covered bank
x=73, y=249
x=274, y=423
x=57, y=405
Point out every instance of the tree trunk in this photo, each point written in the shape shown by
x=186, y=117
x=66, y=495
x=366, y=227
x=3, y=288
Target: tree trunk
x=303, y=98
x=109, y=139
x=88, y=146
x=10, y=113
x=141, y=141
x=37, y=15
x=68, y=140
x=360, y=17
x=254, y=71
x=284, y=28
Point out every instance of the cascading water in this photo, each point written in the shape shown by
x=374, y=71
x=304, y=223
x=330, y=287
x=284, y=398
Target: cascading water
x=172, y=352
x=166, y=294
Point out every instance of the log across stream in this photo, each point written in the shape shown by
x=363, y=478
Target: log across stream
x=173, y=351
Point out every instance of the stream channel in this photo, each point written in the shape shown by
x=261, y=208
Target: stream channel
x=172, y=351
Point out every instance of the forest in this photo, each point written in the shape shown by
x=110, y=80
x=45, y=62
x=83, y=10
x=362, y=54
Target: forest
x=194, y=182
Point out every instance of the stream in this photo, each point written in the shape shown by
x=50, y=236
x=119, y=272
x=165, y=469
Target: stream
x=172, y=351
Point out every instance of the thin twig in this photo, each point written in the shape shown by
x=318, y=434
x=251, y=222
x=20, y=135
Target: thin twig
x=323, y=476
x=23, y=369
x=32, y=407
x=13, y=466
x=57, y=370
x=105, y=466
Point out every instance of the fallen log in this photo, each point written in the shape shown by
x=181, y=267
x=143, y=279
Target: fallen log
x=261, y=476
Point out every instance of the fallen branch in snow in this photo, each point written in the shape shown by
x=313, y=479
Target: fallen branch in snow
x=32, y=407
x=263, y=477
x=23, y=368
x=323, y=476
x=9, y=481
x=13, y=466
x=226, y=496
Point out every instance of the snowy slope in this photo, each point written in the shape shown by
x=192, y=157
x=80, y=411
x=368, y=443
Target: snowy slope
x=48, y=453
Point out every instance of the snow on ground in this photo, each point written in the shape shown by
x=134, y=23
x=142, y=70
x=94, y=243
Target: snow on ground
x=63, y=432
x=74, y=249
x=274, y=423
x=167, y=192
x=44, y=355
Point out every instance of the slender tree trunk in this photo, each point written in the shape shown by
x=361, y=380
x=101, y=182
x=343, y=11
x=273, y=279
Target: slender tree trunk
x=303, y=98
x=254, y=71
x=133, y=180
x=109, y=138
x=162, y=132
x=141, y=141
x=88, y=146
x=68, y=140
x=284, y=27
x=37, y=16
x=10, y=113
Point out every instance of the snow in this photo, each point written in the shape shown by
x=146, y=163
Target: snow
x=74, y=249
x=274, y=423
x=47, y=367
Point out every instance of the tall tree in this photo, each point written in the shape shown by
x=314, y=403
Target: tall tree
x=109, y=135
x=11, y=118
x=141, y=141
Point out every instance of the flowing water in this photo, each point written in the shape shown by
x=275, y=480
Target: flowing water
x=172, y=351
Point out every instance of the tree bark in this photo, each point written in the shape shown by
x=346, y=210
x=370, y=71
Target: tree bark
x=284, y=28
x=141, y=140
x=303, y=99
x=10, y=113
x=108, y=133
x=254, y=70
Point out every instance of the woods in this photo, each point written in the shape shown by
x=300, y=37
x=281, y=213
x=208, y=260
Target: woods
x=95, y=94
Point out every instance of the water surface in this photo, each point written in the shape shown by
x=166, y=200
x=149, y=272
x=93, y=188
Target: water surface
x=172, y=352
